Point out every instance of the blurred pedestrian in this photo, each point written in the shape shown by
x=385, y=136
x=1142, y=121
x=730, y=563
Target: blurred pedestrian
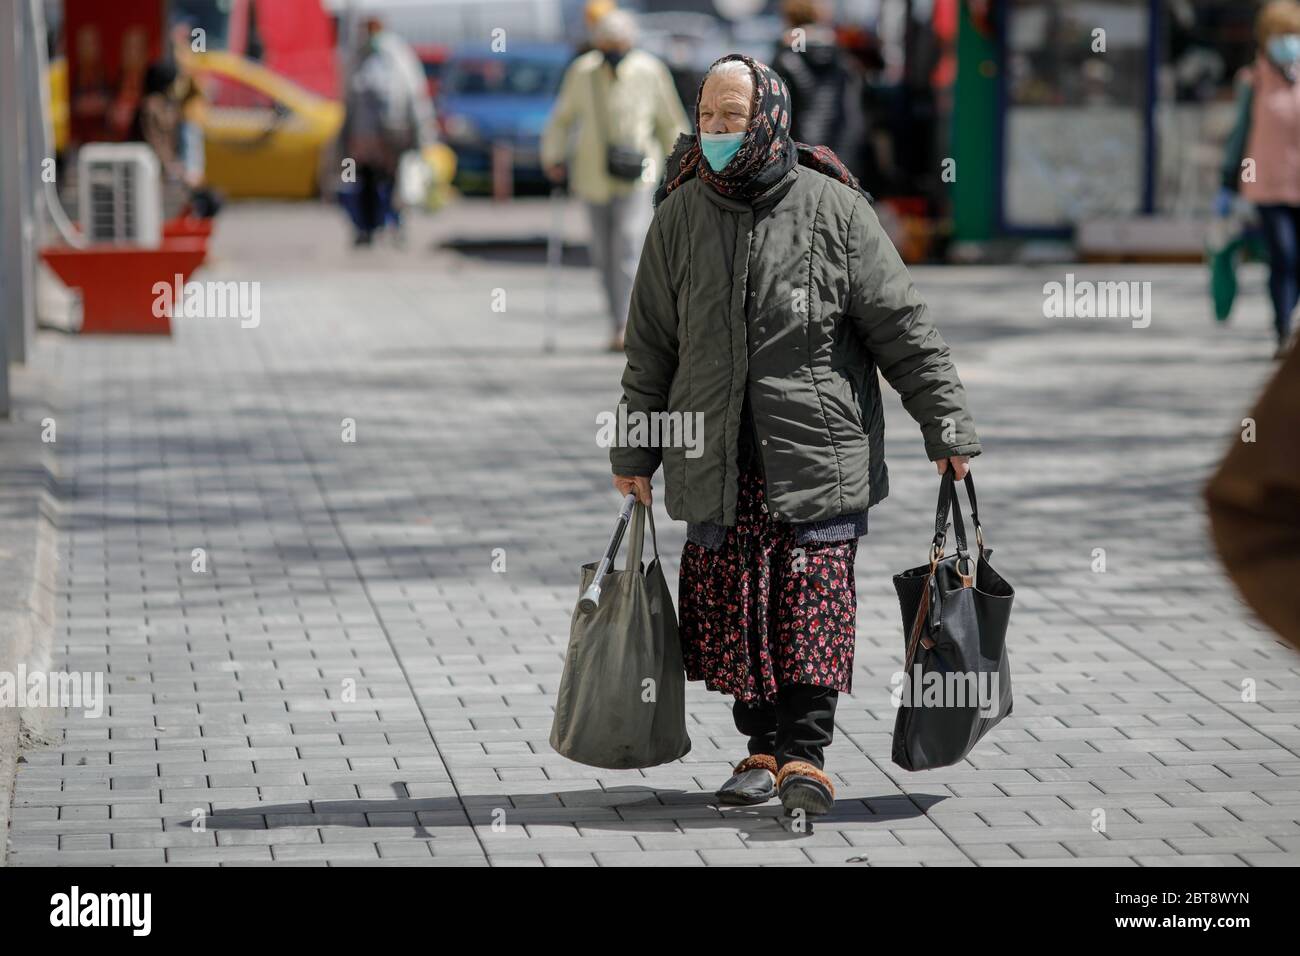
x=156, y=122
x=825, y=89
x=168, y=117
x=767, y=296
x=204, y=202
x=592, y=11
x=1262, y=160
x=1254, y=505
x=157, y=118
x=627, y=114
x=387, y=113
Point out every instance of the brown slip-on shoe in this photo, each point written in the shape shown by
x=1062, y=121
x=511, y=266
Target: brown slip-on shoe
x=803, y=787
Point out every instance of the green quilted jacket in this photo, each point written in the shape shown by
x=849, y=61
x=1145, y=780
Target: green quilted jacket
x=798, y=297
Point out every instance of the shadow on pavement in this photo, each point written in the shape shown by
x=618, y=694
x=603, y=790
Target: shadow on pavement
x=614, y=810
x=530, y=251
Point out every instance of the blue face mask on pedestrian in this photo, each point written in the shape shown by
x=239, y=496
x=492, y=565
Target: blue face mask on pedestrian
x=719, y=148
x=1284, y=50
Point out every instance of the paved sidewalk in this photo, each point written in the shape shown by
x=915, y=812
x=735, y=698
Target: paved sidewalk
x=350, y=681
x=28, y=492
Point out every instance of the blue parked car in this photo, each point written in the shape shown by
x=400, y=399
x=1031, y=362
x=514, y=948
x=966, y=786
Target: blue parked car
x=486, y=98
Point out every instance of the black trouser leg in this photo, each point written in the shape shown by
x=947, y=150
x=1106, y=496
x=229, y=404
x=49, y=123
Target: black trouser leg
x=372, y=213
x=798, y=727
x=805, y=723
x=758, y=722
x=1282, y=233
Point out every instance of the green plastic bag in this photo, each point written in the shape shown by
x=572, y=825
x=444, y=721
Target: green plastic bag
x=1229, y=240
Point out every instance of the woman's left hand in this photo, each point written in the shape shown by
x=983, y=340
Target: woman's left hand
x=960, y=465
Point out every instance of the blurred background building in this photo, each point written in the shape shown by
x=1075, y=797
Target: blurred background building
x=1119, y=150
x=987, y=126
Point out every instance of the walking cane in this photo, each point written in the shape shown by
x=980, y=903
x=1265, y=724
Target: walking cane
x=554, y=253
x=591, y=597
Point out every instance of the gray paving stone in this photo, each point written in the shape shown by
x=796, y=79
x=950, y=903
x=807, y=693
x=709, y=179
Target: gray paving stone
x=370, y=563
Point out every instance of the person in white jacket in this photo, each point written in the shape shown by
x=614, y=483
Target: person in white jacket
x=619, y=96
x=388, y=113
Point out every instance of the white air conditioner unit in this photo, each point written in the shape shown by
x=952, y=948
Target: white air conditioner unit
x=119, y=190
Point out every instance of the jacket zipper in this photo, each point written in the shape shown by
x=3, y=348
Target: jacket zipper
x=753, y=418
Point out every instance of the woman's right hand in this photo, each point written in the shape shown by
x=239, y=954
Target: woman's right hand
x=634, y=485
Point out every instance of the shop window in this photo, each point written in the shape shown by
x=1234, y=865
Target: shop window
x=1204, y=44
x=1075, y=134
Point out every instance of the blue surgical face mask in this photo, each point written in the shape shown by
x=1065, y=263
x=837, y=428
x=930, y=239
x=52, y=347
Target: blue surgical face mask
x=718, y=148
x=1284, y=49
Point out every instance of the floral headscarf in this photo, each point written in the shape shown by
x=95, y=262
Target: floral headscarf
x=766, y=153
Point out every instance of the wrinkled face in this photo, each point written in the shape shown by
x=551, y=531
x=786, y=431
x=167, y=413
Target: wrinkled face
x=724, y=103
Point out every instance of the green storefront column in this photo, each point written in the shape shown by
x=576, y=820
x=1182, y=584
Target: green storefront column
x=974, y=128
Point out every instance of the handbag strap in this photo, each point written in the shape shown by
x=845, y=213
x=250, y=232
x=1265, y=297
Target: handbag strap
x=967, y=576
x=949, y=502
x=918, y=624
x=636, y=543
x=941, y=509
x=974, y=512
x=958, y=525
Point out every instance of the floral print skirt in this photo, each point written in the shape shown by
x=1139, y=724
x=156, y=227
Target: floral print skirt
x=763, y=611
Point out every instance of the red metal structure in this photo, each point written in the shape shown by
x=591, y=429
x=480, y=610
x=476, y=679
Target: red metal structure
x=117, y=283
x=295, y=38
x=109, y=45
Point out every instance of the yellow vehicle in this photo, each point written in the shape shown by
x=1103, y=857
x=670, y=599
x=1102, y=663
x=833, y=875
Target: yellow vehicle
x=57, y=78
x=264, y=135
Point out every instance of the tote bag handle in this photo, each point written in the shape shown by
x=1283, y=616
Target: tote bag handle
x=636, y=544
x=590, y=599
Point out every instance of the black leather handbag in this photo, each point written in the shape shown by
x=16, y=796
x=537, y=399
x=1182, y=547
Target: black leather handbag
x=621, y=162
x=957, y=679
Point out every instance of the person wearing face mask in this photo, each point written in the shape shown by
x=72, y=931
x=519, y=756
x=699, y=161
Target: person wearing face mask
x=623, y=107
x=1262, y=161
x=767, y=297
x=387, y=112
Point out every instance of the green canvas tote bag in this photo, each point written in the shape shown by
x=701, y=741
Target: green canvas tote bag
x=622, y=698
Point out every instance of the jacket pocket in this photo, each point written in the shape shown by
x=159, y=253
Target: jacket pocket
x=855, y=385
x=843, y=384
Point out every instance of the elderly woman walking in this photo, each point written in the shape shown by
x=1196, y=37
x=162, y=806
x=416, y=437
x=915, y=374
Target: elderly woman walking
x=766, y=298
